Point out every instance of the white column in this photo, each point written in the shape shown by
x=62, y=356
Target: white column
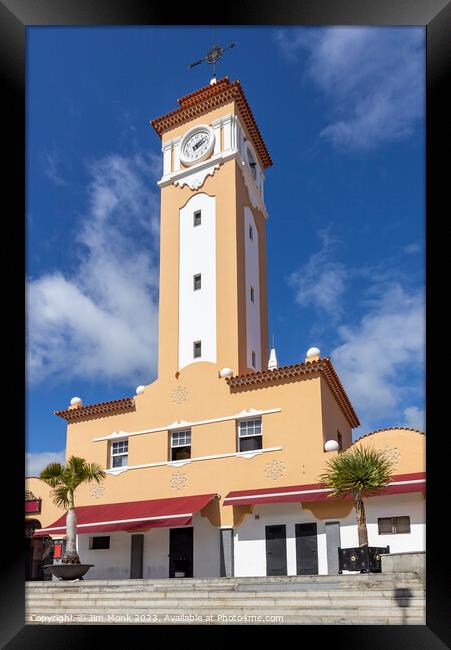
x=216, y=125
x=176, y=154
x=227, y=130
x=167, y=148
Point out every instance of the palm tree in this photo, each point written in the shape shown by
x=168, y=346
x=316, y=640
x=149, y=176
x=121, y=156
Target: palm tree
x=359, y=472
x=65, y=479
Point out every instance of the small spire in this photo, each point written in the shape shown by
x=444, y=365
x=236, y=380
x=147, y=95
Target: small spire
x=272, y=363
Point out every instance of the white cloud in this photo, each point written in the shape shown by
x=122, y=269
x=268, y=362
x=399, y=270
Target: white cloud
x=100, y=321
x=414, y=418
x=379, y=356
x=321, y=281
x=373, y=78
x=51, y=163
x=411, y=249
x=36, y=461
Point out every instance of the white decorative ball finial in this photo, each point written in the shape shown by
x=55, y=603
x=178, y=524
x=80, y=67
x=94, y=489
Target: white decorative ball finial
x=140, y=390
x=313, y=352
x=226, y=372
x=331, y=445
x=74, y=401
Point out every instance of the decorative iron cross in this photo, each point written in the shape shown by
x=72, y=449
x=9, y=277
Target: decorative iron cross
x=213, y=55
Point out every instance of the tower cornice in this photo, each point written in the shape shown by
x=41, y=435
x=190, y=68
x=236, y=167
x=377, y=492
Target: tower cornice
x=208, y=98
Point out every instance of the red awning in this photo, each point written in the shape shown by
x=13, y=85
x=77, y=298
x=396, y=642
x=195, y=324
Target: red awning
x=400, y=484
x=132, y=515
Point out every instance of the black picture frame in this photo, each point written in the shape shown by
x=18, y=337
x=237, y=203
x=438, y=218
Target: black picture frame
x=15, y=17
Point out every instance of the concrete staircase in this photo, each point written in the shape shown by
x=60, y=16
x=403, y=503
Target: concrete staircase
x=360, y=599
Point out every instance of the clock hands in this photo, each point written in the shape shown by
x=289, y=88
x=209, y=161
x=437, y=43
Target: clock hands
x=198, y=144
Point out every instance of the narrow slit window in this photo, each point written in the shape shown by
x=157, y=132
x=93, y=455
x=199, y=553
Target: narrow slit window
x=197, y=218
x=253, y=359
x=197, y=282
x=251, y=233
x=197, y=349
x=252, y=294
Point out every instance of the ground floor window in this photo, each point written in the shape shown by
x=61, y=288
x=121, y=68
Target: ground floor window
x=97, y=543
x=393, y=525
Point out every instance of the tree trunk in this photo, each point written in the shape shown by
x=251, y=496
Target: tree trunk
x=361, y=520
x=71, y=556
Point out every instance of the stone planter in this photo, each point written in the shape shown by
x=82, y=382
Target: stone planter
x=366, y=559
x=68, y=571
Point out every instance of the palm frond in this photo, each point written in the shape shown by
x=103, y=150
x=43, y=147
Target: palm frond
x=53, y=474
x=66, y=478
x=362, y=471
x=61, y=496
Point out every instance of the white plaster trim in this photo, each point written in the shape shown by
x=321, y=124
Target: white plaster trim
x=177, y=463
x=219, y=158
x=252, y=189
x=122, y=521
x=181, y=424
x=317, y=491
x=196, y=178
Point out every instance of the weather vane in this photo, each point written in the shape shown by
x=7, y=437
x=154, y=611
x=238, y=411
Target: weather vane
x=213, y=55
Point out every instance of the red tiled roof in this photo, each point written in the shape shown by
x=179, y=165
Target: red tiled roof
x=208, y=98
x=92, y=410
x=371, y=433
x=324, y=366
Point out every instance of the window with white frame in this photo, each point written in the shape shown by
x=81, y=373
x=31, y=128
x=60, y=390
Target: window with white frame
x=119, y=453
x=250, y=434
x=181, y=444
x=393, y=525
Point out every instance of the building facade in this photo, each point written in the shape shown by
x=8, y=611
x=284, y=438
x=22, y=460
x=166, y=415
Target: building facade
x=213, y=469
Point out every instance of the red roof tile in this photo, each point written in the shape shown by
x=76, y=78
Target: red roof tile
x=93, y=410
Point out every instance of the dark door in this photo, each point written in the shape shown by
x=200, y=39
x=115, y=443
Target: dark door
x=181, y=553
x=276, y=551
x=306, y=549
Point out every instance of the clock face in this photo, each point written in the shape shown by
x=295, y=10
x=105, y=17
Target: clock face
x=196, y=145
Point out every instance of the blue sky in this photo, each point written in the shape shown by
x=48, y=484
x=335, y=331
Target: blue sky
x=342, y=113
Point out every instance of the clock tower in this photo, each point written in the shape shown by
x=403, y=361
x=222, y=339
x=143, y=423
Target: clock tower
x=213, y=290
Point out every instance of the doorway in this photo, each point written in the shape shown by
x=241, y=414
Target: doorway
x=181, y=553
x=276, y=550
x=306, y=549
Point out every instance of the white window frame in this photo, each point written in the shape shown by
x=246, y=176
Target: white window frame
x=118, y=455
x=247, y=422
x=184, y=443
